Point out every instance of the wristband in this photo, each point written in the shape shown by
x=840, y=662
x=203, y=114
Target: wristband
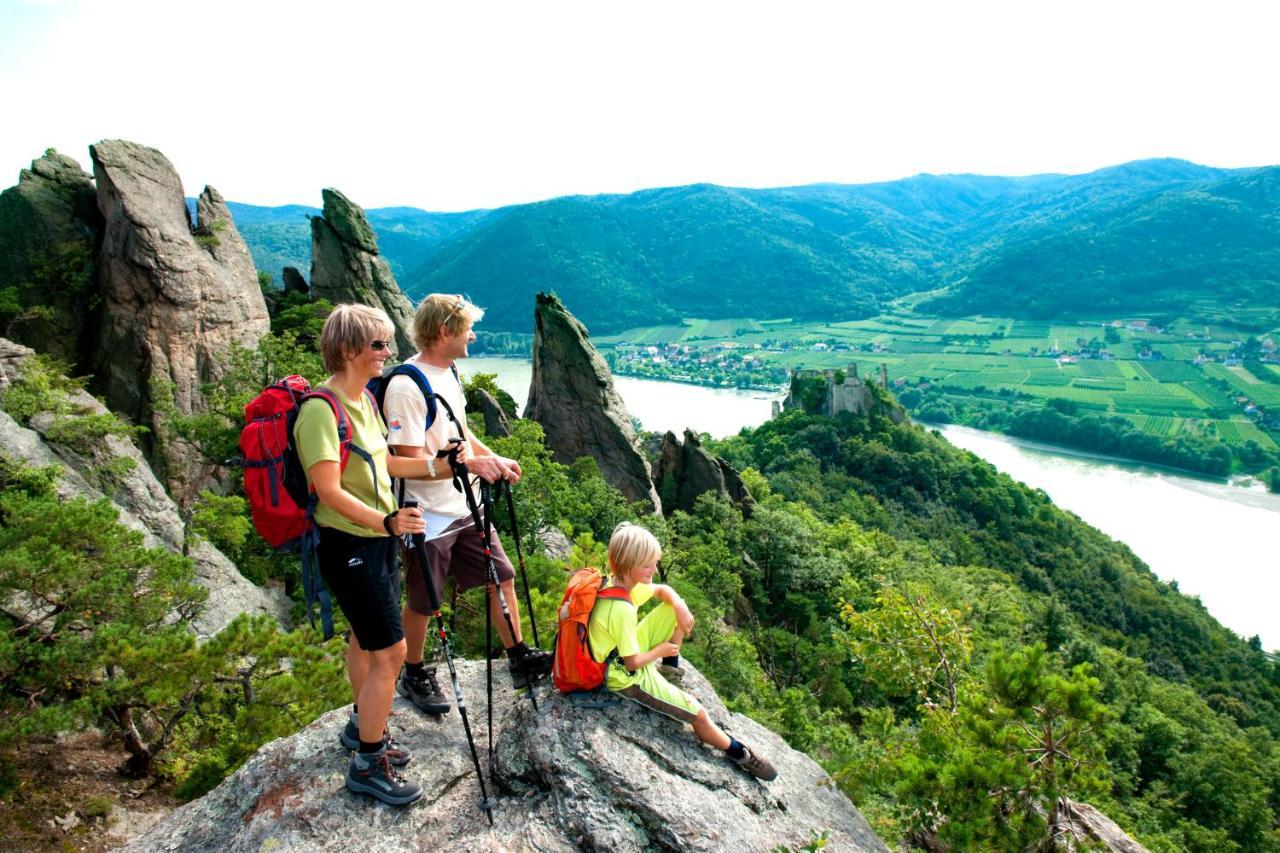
x=386, y=522
x=431, y=468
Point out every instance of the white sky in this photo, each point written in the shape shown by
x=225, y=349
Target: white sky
x=452, y=106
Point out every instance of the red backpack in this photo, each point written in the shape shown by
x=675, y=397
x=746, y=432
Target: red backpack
x=275, y=483
x=575, y=669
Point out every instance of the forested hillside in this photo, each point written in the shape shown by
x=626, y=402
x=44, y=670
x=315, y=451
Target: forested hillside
x=1148, y=236
x=1193, y=250
x=280, y=237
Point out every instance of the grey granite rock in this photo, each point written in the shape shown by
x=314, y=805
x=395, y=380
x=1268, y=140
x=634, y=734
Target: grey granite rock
x=573, y=397
x=142, y=501
x=619, y=778
x=174, y=299
x=346, y=266
x=49, y=231
x=685, y=471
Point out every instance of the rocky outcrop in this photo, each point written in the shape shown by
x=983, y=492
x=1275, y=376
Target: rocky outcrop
x=685, y=471
x=495, y=420
x=49, y=231
x=174, y=298
x=1089, y=828
x=293, y=280
x=619, y=778
x=346, y=266
x=573, y=397
x=94, y=470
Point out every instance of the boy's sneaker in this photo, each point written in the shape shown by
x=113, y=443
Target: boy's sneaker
x=397, y=754
x=757, y=765
x=371, y=773
x=423, y=692
x=673, y=674
x=529, y=667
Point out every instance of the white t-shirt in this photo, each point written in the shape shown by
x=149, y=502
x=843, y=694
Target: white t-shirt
x=406, y=416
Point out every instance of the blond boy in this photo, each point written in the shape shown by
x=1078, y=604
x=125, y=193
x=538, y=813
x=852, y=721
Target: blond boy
x=637, y=646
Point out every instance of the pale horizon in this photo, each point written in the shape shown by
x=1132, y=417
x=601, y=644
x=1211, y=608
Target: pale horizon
x=497, y=103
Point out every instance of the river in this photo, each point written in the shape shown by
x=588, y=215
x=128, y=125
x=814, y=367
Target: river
x=660, y=406
x=1219, y=541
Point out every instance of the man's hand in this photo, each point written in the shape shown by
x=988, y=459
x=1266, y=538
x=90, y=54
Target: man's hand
x=487, y=468
x=511, y=468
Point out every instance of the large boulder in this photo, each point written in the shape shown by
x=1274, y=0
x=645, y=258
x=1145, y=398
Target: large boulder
x=619, y=778
x=174, y=299
x=94, y=470
x=346, y=266
x=573, y=397
x=49, y=231
x=685, y=471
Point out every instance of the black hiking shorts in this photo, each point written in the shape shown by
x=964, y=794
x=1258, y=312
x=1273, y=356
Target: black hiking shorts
x=362, y=575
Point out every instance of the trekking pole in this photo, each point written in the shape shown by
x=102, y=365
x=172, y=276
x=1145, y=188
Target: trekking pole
x=462, y=481
x=419, y=543
x=524, y=573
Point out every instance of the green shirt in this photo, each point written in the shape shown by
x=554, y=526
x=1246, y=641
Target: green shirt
x=316, y=436
x=613, y=626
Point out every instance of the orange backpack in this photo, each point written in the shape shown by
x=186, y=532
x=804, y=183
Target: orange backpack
x=575, y=669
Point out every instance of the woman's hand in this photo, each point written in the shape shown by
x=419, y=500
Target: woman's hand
x=408, y=521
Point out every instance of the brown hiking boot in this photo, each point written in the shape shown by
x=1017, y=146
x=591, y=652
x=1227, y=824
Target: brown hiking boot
x=674, y=675
x=757, y=765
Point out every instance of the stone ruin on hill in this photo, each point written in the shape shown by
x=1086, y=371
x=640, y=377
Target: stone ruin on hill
x=830, y=392
x=619, y=778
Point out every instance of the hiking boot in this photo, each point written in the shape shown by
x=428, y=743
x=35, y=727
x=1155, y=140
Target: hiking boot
x=757, y=765
x=371, y=773
x=423, y=692
x=397, y=754
x=529, y=667
x=673, y=674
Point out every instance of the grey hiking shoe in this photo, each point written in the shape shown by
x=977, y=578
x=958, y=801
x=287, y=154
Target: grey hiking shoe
x=529, y=667
x=423, y=692
x=757, y=765
x=397, y=754
x=673, y=674
x=372, y=774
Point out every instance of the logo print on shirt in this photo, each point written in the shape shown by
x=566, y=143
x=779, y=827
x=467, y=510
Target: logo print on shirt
x=395, y=425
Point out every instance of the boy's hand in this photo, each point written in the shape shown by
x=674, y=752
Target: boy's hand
x=668, y=650
x=684, y=618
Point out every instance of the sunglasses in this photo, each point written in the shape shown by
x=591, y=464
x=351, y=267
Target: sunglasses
x=379, y=346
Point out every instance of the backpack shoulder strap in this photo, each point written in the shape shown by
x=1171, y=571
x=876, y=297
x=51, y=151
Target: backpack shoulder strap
x=339, y=416
x=616, y=593
x=424, y=386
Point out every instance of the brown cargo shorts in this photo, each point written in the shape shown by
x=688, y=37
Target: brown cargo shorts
x=456, y=553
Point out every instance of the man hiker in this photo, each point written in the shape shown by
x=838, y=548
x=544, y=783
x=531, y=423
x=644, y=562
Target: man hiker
x=442, y=331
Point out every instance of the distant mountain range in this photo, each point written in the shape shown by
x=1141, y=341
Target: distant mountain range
x=1147, y=236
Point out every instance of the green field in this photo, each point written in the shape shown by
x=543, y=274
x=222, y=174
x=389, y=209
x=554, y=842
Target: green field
x=995, y=358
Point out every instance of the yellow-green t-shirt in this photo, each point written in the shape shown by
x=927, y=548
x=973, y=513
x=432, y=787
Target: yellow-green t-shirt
x=613, y=626
x=316, y=436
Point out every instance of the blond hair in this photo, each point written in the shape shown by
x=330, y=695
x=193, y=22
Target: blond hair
x=441, y=311
x=630, y=547
x=349, y=329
